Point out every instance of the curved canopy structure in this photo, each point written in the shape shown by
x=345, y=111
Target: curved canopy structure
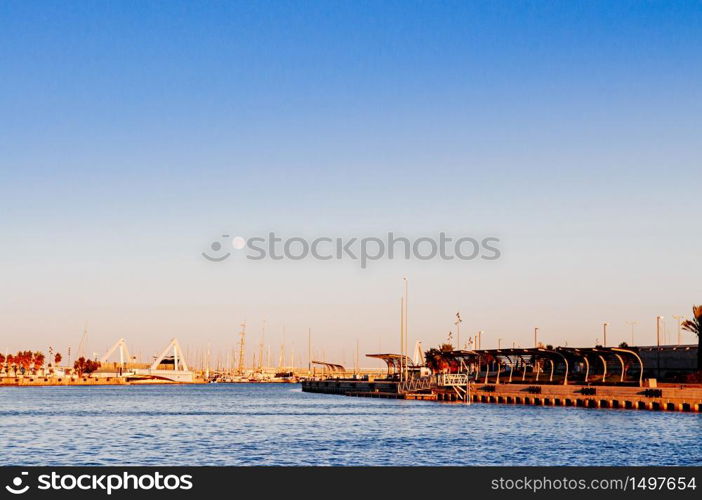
x=330, y=367
x=394, y=362
x=586, y=364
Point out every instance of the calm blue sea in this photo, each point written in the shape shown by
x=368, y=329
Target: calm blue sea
x=223, y=424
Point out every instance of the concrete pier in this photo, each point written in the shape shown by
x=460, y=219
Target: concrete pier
x=663, y=398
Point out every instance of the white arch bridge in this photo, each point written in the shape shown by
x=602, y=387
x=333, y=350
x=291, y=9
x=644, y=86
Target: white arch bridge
x=170, y=365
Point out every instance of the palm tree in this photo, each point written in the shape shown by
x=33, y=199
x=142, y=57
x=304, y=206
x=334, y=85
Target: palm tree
x=11, y=363
x=38, y=359
x=695, y=326
x=24, y=360
x=79, y=366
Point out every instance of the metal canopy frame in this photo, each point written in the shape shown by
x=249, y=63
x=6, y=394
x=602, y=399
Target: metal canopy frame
x=394, y=362
x=602, y=355
x=567, y=356
x=330, y=367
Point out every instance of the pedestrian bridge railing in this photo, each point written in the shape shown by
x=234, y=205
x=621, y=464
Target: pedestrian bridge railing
x=415, y=385
x=452, y=379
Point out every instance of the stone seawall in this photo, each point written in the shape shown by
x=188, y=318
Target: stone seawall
x=39, y=381
x=677, y=398
x=35, y=380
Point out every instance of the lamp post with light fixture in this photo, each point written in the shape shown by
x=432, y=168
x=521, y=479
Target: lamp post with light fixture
x=632, y=324
x=679, y=320
x=658, y=346
x=604, y=334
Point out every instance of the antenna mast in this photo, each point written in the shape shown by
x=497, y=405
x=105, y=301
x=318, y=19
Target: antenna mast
x=83, y=341
x=260, y=347
x=281, y=358
x=242, y=337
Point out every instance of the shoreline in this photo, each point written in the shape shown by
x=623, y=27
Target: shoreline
x=40, y=381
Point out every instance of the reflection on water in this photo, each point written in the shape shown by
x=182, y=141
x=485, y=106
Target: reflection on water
x=272, y=424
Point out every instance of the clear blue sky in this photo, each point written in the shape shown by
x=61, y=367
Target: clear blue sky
x=132, y=133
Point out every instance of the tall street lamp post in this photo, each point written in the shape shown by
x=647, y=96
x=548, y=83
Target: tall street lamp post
x=658, y=346
x=604, y=334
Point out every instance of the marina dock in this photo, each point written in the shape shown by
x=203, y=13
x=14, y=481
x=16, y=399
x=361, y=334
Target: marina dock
x=666, y=398
x=637, y=378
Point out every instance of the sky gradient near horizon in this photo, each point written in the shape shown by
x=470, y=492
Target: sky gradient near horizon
x=135, y=133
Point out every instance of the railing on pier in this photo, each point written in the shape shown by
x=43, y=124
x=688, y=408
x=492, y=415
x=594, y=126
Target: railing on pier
x=414, y=385
x=452, y=380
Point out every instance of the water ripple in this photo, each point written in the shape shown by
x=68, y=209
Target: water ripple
x=279, y=425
